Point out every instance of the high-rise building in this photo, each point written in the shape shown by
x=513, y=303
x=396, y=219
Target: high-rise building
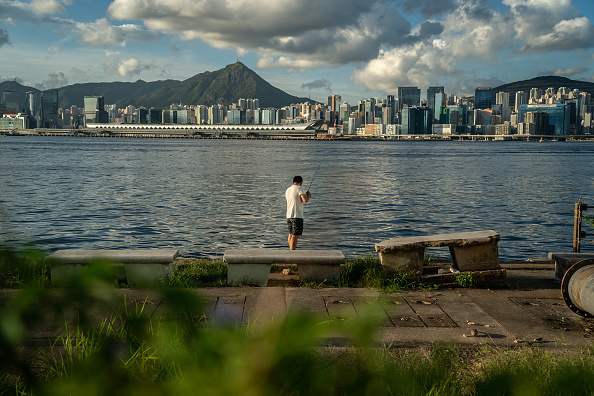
x=558, y=116
x=32, y=103
x=440, y=100
x=10, y=101
x=334, y=102
x=236, y=117
x=483, y=98
x=94, y=110
x=416, y=121
x=502, y=98
x=535, y=93
x=431, y=92
x=49, y=108
x=522, y=97
x=408, y=96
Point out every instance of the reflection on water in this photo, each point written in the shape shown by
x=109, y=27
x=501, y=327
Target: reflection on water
x=204, y=196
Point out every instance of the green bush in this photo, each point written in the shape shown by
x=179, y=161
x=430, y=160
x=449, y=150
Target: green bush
x=367, y=271
x=467, y=279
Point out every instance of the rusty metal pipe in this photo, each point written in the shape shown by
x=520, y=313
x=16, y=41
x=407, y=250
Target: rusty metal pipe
x=577, y=288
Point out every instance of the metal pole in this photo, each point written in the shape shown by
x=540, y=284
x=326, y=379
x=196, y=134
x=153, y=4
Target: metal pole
x=577, y=226
x=578, y=234
x=577, y=286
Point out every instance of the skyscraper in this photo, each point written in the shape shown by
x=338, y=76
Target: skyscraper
x=483, y=98
x=408, y=96
x=10, y=101
x=502, y=98
x=521, y=98
x=32, y=103
x=431, y=92
x=334, y=102
x=94, y=110
x=49, y=108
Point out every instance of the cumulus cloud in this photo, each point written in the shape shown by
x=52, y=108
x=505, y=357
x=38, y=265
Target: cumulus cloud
x=35, y=13
x=571, y=71
x=55, y=80
x=101, y=32
x=79, y=75
x=285, y=33
x=318, y=84
x=428, y=8
x=566, y=35
x=4, y=39
x=128, y=68
x=47, y=6
x=465, y=36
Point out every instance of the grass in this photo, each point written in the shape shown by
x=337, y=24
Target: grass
x=198, y=273
x=367, y=271
x=131, y=351
x=22, y=268
x=27, y=268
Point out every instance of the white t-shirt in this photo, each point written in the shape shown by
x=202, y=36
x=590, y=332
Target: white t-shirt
x=294, y=202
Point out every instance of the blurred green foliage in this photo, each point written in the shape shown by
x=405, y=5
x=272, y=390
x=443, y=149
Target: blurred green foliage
x=114, y=346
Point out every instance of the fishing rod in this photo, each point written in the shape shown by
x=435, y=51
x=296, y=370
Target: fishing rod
x=314, y=176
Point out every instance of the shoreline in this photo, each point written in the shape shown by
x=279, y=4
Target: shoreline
x=189, y=134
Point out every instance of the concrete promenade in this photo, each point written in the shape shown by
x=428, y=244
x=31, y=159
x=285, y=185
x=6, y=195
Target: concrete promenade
x=528, y=312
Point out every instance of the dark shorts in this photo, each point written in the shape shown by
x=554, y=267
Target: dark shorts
x=295, y=226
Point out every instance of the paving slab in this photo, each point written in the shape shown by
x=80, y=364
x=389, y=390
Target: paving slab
x=529, y=311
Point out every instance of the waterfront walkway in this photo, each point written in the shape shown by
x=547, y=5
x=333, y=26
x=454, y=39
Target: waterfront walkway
x=529, y=312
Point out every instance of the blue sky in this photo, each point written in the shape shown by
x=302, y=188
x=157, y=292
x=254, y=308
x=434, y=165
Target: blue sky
x=353, y=48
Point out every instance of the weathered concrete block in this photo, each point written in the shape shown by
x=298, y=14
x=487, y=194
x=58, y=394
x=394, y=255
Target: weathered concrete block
x=476, y=257
x=318, y=273
x=470, y=250
x=144, y=267
x=399, y=260
x=564, y=261
x=147, y=274
x=317, y=264
x=248, y=273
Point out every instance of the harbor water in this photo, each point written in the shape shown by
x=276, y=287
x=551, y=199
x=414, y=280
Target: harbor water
x=203, y=196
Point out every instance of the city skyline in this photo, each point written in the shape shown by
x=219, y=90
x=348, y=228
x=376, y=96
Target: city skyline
x=354, y=49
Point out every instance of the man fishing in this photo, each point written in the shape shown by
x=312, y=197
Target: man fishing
x=296, y=196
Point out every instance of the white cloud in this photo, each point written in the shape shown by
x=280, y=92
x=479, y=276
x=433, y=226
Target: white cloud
x=101, y=32
x=299, y=34
x=466, y=37
x=47, y=6
x=128, y=68
x=566, y=35
x=571, y=71
x=55, y=80
x=35, y=12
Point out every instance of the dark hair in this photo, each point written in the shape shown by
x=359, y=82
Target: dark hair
x=297, y=179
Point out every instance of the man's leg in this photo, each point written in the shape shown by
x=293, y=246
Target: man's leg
x=293, y=241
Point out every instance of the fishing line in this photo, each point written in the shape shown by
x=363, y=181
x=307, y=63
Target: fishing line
x=314, y=176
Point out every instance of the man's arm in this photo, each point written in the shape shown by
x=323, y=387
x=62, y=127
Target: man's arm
x=305, y=197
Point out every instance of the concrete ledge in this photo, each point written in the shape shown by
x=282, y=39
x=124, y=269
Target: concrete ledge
x=144, y=267
x=253, y=265
x=564, y=261
x=470, y=250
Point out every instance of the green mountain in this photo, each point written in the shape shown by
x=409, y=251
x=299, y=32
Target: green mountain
x=542, y=83
x=224, y=86
x=20, y=90
x=122, y=93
